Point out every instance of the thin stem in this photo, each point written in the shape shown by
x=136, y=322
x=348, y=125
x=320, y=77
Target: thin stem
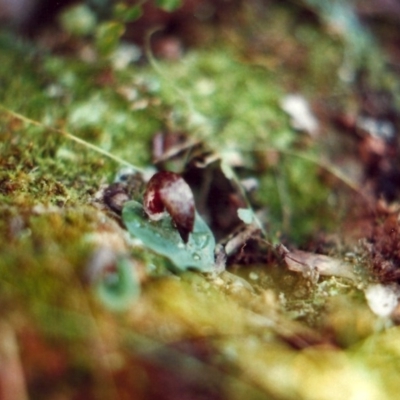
x=72, y=137
x=334, y=171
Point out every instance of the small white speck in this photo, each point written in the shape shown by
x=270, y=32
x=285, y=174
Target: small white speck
x=253, y=276
x=124, y=55
x=299, y=110
x=382, y=300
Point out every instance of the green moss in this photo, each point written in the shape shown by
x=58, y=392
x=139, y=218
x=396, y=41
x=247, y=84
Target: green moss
x=228, y=95
x=228, y=101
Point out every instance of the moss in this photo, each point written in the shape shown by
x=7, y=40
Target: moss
x=226, y=100
x=227, y=95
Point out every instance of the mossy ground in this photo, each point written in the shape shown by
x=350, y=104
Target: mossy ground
x=227, y=95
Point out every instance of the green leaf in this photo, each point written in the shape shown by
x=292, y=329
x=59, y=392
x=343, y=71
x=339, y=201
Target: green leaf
x=120, y=289
x=163, y=238
x=78, y=20
x=127, y=13
x=169, y=5
x=108, y=35
x=246, y=215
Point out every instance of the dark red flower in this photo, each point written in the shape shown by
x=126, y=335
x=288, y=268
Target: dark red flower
x=169, y=191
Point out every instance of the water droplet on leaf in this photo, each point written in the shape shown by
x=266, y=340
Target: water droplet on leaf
x=162, y=237
x=136, y=224
x=196, y=257
x=200, y=239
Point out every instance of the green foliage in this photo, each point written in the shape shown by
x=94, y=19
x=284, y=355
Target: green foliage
x=125, y=13
x=78, y=20
x=163, y=238
x=225, y=100
x=47, y=183
x=169, y=5
x=108, y=35
x=246, y=215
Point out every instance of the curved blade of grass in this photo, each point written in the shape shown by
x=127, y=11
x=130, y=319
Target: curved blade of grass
x=72, y=137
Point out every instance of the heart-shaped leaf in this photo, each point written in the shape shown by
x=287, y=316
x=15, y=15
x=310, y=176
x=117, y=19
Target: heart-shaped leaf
x=163, y=238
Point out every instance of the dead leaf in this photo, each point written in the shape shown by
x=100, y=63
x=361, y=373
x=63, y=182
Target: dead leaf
x=312, y=265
